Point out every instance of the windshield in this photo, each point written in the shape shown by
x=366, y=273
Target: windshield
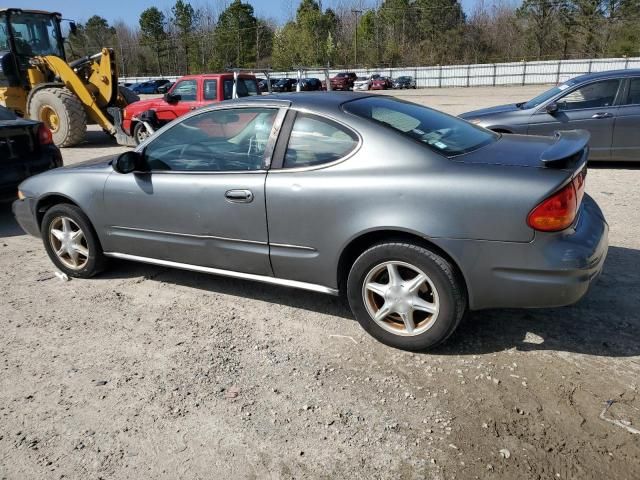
x=35, y=34
x=443, y=133
x=543, y=97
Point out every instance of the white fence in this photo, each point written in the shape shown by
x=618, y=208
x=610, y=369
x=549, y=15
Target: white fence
x=488, y=74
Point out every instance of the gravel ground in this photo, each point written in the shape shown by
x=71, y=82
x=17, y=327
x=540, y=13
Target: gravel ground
x=147, y=372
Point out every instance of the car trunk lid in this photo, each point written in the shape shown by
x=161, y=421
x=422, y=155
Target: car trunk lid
x=563, y=151
x=18, y=139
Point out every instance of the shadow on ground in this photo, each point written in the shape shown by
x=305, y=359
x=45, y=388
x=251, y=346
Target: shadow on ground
x=604, y=323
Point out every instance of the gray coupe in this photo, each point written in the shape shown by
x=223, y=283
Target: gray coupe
x=414, y=215
x=606, y=104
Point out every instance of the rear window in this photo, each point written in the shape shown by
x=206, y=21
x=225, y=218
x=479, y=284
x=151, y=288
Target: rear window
x=443, y=133
x=6, y=114
x=247, y=87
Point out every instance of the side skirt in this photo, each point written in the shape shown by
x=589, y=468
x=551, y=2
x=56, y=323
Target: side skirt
x=226, y=273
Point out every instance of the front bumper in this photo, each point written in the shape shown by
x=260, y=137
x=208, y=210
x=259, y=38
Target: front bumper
x=553, y=270
x=25, y=212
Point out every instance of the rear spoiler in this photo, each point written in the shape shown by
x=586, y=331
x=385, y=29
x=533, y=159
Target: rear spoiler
x=570, y=147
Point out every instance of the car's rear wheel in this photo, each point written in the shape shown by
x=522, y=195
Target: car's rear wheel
x=405, y=295
x=71, y=242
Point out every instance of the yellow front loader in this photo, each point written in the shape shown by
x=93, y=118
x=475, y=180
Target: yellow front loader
x=37, y=82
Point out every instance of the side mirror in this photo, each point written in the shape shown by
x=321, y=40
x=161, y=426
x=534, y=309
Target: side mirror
x=129, y=162
x=171, y=97
x=73, y=28
x=551, y=108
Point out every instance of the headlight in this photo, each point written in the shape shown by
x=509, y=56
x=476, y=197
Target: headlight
x=475, y=121
x=21, y=196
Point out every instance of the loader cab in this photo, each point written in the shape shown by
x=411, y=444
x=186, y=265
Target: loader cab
x=25, y=34
x=31, y=33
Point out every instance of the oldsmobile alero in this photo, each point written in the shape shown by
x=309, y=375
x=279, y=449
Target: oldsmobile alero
x=414, y=215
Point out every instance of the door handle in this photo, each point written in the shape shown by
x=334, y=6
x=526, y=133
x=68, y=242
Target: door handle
x=239, y=196
x=601, y=115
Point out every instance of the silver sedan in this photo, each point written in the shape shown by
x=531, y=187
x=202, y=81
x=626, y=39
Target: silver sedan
x=415, y=216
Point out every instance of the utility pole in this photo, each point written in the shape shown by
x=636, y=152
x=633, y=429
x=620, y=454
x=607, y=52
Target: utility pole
x=355, y=53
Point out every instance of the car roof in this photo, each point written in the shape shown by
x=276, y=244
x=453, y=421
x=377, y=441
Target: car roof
x=631, y=72
x=305, y=100
x=215, y=75
x=24, y=10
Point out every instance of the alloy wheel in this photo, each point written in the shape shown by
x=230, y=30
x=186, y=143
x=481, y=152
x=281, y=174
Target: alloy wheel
x=400, y=298
x=69, y=243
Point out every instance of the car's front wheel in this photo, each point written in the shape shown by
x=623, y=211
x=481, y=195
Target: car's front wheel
x=71, y=242
x=405, y=295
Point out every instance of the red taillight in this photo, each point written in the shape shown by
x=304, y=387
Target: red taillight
x=44, y=135
x=559, y=210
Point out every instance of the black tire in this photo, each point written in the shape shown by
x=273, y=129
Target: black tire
x=450, y=290
x=128, y=95
x=140, y=133
x=95, y=259
x=72, y=119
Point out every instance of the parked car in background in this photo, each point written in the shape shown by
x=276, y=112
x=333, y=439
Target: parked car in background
x=343, y=81
x=26, y=148
x=149, y=87
x=362, y=84
x=262, y=84
x=310, y=84
x=300, y=191
x=166, y=87
x=404, y=81
x=285, y=85
x=187, y=94
x=607, y=104
x=381, y=83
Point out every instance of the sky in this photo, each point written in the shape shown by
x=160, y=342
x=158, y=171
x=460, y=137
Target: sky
x=129, y=10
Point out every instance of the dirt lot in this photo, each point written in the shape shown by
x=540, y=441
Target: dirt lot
x=146, y=372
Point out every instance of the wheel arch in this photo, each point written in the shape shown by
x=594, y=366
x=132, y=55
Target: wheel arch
x=47, y=201
x=366, y=240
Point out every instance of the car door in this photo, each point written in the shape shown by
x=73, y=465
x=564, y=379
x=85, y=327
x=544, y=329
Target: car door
x=200, y=198
x=308, y=145
x=188, y=96
x=591, y=106
x=626, y=129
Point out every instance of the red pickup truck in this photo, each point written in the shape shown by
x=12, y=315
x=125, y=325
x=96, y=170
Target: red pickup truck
x=188, y=93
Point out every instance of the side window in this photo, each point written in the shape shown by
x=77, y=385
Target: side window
x=246, y=87
x=634, y=92
x=187, y=90
x=210, y=89
x=315, y=140
x=593, y=95
x=4, y=38
x=218, y=140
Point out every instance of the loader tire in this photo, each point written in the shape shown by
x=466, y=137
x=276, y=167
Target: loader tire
x=61, y=111
x=129, y=95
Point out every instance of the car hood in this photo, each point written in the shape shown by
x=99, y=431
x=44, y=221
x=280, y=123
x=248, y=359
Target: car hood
x=95, y=164
x=483, y=112
x=512, y=150
x=143, y=105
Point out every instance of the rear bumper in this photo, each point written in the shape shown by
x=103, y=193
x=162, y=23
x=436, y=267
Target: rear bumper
x=24, y=211
x=13, y=172
x=553, y=270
